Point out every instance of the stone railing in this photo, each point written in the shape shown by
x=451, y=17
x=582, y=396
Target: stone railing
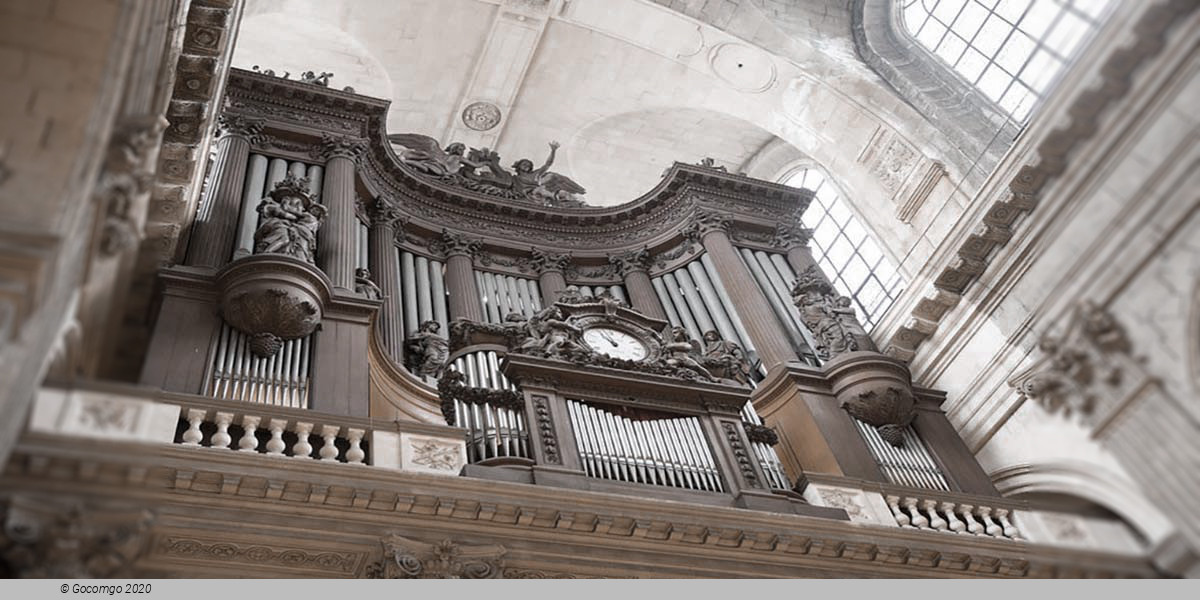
x=129, y=414
x=930, y=511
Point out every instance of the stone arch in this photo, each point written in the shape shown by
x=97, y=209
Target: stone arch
x=1088, y=482
x=980, y=129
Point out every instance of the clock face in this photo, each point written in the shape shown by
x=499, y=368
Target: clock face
x=614, y=343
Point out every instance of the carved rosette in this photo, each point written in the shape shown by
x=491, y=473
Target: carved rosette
x=272, y=298
x=240, y=125
x=405, y=558
x=875, y=389
x=456, y=244
x=335, y=146
x=634, y=260
x=546, y=261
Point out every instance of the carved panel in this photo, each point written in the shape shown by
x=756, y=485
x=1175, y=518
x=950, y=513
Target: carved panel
x=405, y=558
x=545, y=425
x=258, y=554
x=741, y=454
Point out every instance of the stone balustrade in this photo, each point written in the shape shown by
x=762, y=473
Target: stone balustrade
x=115, y=413
x=931, y=512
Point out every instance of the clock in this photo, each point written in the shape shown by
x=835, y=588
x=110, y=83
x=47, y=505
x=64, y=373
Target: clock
x=615, y=343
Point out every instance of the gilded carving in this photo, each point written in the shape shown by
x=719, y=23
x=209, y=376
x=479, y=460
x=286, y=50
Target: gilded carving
x=405, y=558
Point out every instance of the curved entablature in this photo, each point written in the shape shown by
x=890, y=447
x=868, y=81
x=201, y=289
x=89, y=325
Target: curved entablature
x=299, y=116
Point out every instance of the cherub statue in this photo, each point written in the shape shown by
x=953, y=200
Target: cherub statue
x=423, y=153
x=311, y=77
x=681, y=352
x=363, y=285
x=561, y=339
x=426, y=350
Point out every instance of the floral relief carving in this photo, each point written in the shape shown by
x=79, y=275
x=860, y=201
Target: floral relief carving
x=437, y=455
x=259, y=554
x=1089, y=364
x=405, y=558
x=740, y=453
x=103, y=414
x=847, y=501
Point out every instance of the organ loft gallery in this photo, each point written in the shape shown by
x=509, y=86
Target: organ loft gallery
x=599, y=289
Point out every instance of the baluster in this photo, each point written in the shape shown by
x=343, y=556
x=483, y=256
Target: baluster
x=990, y=527
x=249, y=443
x=192, y=436
x=355, y=454
x=935, y=520
x=329, y=434
x=956, y=525
x=1010, y=530
x=918, y=519
x=221, y=438
x=275, y=445
x=302, y=449
x=968, y=515
x=902, y=519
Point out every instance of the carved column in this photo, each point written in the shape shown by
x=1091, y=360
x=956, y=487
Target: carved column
x=214, y=232
x=634, y=267
x=336, y=245
x=385, y=268
x=550, y=267
x=460, y=276
x=712, y=228
x=793, y=238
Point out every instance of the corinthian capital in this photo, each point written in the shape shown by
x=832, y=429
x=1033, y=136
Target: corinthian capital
x=334, y=146
x=383, y=211
x=705, y=221
x=457, y=243
x=239, y=125
x=791, y=235
x=545, y=260
x=634, y=260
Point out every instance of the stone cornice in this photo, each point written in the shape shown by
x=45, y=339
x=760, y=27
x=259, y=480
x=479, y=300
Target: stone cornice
x=296, y=110
x=970, y=251
x=368, y=503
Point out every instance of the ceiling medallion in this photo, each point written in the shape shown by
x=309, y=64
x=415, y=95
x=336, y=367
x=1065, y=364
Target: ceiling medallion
x=481, y=116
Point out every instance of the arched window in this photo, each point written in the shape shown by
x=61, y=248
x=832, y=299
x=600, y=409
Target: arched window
x=846, y=250
x=1010, y=50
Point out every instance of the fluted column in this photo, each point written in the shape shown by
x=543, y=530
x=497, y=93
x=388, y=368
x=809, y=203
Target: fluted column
x=550, y=267
x=336, y=246
x=385, y=271
x=634, y=267
x=464, y=300
x=712, y=228
x=215, y=230
x=793, y=239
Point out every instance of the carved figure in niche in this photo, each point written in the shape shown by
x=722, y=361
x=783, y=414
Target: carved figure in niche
x=682, y=352
x=424, y=153
x=363, y=285
x=289, y=221
x=426, y=350
x=725, y=359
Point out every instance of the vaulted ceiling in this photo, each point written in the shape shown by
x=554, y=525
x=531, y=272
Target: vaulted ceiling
x=627, y=86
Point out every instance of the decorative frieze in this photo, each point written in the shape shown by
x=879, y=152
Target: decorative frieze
x=546, y=260
x=258, y=554
x=405, y=558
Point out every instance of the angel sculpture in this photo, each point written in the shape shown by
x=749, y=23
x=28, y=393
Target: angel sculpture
x=681, y=352
x=424, y=153
x=544, y=185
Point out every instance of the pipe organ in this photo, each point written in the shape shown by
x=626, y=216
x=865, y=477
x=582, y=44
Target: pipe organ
x=585, y=355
